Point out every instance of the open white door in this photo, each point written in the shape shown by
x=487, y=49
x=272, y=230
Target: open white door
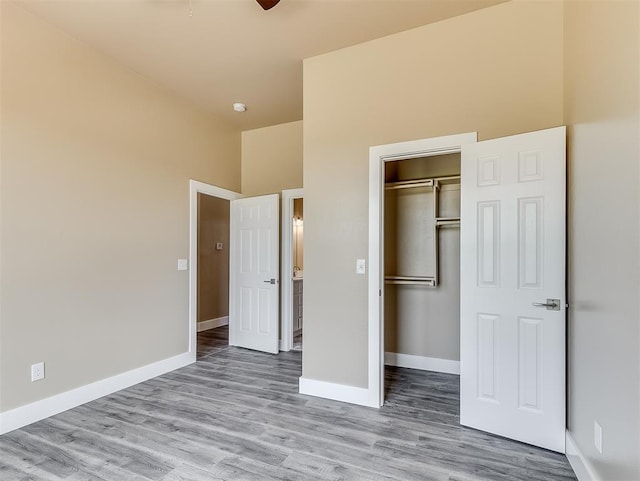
x=512, y=346
x=254, y=273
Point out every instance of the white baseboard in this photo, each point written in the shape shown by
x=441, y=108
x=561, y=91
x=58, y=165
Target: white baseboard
x=421, y=362
x=580, y=464
x=30, y=413
x=337, y=392
x=213, y=323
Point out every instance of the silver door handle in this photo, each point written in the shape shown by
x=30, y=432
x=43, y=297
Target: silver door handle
x=270, y=281
x=551, y=304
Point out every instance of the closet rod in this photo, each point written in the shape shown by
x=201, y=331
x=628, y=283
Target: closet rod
x=447, y=221
x=411, y=280
x=414, y=183
x=409, y=184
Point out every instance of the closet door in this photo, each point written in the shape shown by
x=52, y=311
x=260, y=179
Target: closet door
x=512, y=310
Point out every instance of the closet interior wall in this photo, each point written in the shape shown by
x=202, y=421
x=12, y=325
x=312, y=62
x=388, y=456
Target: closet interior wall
x=420, y=320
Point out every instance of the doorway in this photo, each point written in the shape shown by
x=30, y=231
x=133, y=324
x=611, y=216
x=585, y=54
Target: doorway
x=379, y=156
x=421, y=223
x=212, y=309
x=253, y=256
x=298, y=272
x=292, y=286
x=512, y=280
x=208, y=204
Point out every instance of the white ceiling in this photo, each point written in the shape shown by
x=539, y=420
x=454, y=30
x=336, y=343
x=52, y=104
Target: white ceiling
x=232, y=50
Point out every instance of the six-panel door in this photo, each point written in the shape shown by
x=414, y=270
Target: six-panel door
x=254, y=273
x=512, y=352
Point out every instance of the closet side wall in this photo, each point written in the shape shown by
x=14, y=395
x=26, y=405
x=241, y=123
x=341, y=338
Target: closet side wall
x=419, y=320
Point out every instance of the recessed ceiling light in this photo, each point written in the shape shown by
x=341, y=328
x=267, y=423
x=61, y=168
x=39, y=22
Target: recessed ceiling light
x=239, y=107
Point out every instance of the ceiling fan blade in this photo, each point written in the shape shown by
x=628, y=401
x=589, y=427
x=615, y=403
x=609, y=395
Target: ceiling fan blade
x=267, y=4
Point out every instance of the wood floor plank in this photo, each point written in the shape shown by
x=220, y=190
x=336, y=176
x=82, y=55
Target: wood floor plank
x=237, y=415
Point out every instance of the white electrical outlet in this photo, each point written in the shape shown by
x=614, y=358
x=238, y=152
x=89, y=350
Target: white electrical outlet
x=37, y=371
x=218, y=246
x=183, y=264
x=597, y=436
x=361, y=266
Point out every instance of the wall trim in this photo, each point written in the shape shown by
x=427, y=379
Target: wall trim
x=579, y=463
x=337, y=392
x=421, y=362
x=44, y=408
x=213, y=323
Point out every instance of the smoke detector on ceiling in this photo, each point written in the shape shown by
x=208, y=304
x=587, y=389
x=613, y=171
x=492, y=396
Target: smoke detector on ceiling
x=239, y=107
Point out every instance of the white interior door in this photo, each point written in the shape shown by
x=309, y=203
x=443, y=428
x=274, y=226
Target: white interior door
x=512, y=351
x=254, y=273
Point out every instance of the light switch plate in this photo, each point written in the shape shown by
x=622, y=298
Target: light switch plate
x=361, y=266
x=218, y=246
x=183, y=264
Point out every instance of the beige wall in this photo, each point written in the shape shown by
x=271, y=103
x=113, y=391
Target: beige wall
x=272, y=159
x=497, y=71
x=602, y=113
x=95, y=164
x=213, y=264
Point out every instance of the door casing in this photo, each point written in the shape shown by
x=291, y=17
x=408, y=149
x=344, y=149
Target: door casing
x=378, y=156
x=195, y=188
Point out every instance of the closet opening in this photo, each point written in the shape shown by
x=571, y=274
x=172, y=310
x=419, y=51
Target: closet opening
x=421, y=254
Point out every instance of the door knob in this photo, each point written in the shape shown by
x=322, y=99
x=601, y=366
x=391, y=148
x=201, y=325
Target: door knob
x=551, y=304
x=270, y=281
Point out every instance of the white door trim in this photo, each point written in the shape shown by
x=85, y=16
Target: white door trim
x=378, y=155
x=286, y=284
x=195, y=188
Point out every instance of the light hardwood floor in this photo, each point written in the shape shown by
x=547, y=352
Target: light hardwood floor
x=236, y=415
